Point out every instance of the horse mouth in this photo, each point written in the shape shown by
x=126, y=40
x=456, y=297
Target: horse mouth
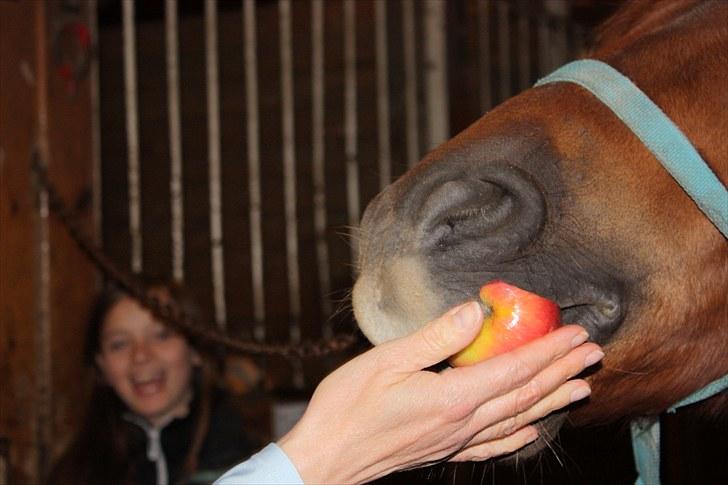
x=601, y=313
x=548, y=428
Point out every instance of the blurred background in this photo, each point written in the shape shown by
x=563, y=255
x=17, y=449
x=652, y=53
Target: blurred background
x=233, y=146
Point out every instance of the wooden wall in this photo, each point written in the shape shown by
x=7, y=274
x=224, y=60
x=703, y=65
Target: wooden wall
x=45, y=282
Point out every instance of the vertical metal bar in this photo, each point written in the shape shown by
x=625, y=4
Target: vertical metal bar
x=382, y=67
x=410, y=83
x=350, y=118
x=132, y=134
x=95, y=124
x=253, y=135
x=289, y=168
x=175, y=140
x=318, y=145
x=485, y=85
x=524, y=46
x=43, y=386
x=504, y=51
x=544, y=53
x=213, y=144
x=436, y=94
x=578, y=39
x=559, y=10
x=43, y=425
x=253, y=153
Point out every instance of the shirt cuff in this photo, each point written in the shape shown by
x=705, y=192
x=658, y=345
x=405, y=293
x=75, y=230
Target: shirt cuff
x=270, y=466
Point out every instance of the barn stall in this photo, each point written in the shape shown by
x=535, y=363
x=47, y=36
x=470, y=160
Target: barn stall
x=232, y=146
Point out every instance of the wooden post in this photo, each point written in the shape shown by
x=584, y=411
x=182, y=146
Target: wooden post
x=46, y=284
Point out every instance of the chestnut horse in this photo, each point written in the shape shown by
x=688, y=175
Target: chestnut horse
x=552, y=192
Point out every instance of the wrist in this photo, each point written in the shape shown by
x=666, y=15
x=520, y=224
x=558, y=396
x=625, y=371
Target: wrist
x=319, y=459
x=312, y=458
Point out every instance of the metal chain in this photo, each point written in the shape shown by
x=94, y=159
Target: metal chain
x=169, y=312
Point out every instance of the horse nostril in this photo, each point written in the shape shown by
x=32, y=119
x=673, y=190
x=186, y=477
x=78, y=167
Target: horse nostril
x=464, y=208
x=499, y=208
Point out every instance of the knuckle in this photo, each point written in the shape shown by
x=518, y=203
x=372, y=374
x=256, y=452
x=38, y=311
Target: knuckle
x=458, y=407
x=510, y=426
x=433, y=337
x=528, y=395
x=520, y=370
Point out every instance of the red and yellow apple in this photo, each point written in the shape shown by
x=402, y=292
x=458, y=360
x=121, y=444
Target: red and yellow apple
x=513, y=317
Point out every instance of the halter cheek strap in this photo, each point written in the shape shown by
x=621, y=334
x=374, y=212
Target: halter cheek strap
x=680, y=158
x=659, y=134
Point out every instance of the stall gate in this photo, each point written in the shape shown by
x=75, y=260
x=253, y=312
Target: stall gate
x=240, y=141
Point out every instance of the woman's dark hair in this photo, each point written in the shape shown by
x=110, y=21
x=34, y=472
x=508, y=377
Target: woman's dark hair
x=100, y=452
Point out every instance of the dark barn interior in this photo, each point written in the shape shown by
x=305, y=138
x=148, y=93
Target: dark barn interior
x=258, y=220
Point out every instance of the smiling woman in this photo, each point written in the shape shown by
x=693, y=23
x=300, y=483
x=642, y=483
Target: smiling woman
x=155, y=415
x=149, y=366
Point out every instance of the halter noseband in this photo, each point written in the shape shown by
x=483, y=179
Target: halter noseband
x=680, y=158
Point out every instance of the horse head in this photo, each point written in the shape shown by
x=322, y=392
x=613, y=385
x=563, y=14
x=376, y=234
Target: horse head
x=552, y=192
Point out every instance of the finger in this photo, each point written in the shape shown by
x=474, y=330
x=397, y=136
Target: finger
x=503, y=373
x=502, y=446
x=437, y=340
x=509, y=407
x=567, y=393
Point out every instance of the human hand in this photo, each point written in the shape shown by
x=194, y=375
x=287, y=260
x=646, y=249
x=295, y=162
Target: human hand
x=381, y=412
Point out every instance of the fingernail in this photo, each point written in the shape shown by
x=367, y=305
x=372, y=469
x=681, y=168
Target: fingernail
x=593, y=358
x=580, y=339
x=580, y=393
x=466, y=314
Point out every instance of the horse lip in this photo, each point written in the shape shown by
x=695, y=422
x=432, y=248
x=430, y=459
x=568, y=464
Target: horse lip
x=599, y=319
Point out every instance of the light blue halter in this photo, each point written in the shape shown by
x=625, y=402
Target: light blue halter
x=672, y=148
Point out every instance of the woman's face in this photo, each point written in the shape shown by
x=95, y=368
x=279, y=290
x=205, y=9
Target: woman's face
x=148, y=365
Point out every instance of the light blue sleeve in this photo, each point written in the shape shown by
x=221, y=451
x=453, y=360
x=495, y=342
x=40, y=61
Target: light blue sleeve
x=270, y=466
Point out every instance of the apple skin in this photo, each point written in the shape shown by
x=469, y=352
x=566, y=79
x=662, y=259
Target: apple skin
x=516, y=317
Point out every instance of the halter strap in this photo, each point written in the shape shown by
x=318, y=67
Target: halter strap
x=680, y=158
x=658, y=133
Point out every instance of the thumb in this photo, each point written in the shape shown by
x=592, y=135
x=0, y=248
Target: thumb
x=440, y=338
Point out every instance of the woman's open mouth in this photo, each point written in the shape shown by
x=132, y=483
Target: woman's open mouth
x=148, y=385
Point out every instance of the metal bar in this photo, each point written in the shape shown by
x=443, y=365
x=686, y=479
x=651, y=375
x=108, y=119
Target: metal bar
x=410, y=83
x=318, y=146
x=43, y=380
x=559, y=10
x=578, y=41
x=485, y=85
x=43, y=423
x=544, y=53
x=213, y=153
x=289, y=168
x=350, y=118
x=504, y=51
x=382, y=67
x=436, y=95
x=132, y=134
x=175, y=140
x=524, y=48
x=253, y=135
